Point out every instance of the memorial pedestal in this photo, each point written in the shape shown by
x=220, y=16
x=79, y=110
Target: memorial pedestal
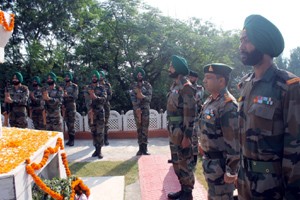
x=17, y=184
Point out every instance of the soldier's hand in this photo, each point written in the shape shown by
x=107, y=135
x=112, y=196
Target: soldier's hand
x=32, y=95
x=139, y=94
x=8, y=99
x=230, y=178
x=65, y=93
x=92, y=94
x=186, y=142
x=46, y=96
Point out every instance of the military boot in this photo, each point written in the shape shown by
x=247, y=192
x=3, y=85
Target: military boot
x=71, y=140
x=186, y=196
x=96, y=151
x=174, y=195
x=140, y=151
x=100, y=156
x=145, y=149
x=106, y=143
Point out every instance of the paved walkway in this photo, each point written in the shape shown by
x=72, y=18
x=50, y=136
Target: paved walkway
x=113, y=188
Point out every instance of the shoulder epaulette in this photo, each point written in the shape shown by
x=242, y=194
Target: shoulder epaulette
x=243, y=79
x=293, y=80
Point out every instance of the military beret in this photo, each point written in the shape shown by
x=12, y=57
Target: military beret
x=70, y=75
x=218, y=68
x=102, y=74
x=264, y=35
x=53, y=76
x=19, y=76
x=139, y=70
x=193, y=74
x=96, y=73
x=37, y=79
x=180, y=65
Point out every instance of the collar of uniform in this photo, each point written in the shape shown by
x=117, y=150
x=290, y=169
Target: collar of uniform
x=268, y=75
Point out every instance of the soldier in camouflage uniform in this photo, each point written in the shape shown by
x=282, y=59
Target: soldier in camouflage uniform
x=17, y=97
x=95, y=97
x=53, y=96
x=269, y=117
x=180, y=116
x=69, y=106
x=193, y=77
x=219, y=137
x=141, y=94
x=108, y=90
x=37, y=105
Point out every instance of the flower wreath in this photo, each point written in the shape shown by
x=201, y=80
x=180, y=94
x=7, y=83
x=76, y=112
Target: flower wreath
x=30, y=168
x=4, y=23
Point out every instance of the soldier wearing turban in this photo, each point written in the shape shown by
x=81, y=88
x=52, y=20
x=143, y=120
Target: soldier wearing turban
x=181, y=107
x=140, y=95
x=269, y=117
x=17, y=97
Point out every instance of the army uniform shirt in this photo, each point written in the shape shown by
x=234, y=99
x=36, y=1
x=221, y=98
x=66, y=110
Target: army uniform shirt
x=269, y=124
x=37, y=107
x=18, y=114
x=220, y=143
x=53, y=109
x=69, y=104
x=180, y=116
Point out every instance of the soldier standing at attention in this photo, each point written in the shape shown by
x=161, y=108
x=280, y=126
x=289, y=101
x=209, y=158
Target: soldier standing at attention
x=180, y=116
x=141, y=94
x=269, y=117
x=69, y=106
x=108, y=90
x=17, y=97
x=95, y=99
x=53, y=97
x=37, y=105
x=219, y=137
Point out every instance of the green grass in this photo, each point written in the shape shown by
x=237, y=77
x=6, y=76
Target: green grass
x=128, y=168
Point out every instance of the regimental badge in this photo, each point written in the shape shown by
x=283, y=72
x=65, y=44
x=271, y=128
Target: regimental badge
x=263, y=100
x=210, y=69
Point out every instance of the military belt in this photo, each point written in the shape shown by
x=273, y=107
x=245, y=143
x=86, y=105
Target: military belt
x=214, y=155
x=266, y=167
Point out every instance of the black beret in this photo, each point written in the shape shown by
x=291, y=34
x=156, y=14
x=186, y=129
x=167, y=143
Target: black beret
x=218, y=68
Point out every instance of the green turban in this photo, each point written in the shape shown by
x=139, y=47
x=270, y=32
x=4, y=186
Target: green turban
x=137, y=71
x=218, y=68
x=37, y=79
x=70, y=75
x=19, y=76
x=102, y=74
x=53, y=76
x=96, y=73
x=264, y=35
x=180, y=65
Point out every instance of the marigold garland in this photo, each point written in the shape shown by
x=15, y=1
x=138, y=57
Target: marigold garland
x=4, y=23
x=30, y=168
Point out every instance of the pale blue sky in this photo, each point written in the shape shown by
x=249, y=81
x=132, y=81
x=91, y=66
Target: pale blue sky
x=230, y=14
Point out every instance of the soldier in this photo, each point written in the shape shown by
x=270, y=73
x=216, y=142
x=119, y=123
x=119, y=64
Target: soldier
x=17, y=97
x=141, y=94
x=269, y=117
x=95, y=99
x=69, y=106
x=180, y=116
x=108, y=90
x=37, y=104
x=193, y=78
x=53, y=96
x=219, y=137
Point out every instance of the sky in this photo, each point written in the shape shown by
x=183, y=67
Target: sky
x=230, y=14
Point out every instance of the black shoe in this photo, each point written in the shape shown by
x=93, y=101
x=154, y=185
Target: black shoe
x=106, y=143
x=145, y=149
x=170, y=161
x=140, y=151
x=174, y=195
x=94, y=154
x=70, y=143
x=100, y=156
x=185, y=196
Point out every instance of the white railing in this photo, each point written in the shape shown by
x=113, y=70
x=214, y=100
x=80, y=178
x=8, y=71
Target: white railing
x=117, y=121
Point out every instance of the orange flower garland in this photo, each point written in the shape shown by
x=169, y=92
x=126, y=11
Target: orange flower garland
x=30, y=168
x=3, y=21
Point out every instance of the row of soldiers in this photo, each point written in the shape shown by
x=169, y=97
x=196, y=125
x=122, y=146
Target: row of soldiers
x=50, y=105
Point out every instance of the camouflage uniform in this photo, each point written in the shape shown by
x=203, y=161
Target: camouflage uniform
x=96, y=114
x=220, y=143
x=53, y=109
x=180, y=116
x=69, y=106
x=144, y=106
x=18, y=114
x=269, y=124
x=108, y=90
x=37, y=108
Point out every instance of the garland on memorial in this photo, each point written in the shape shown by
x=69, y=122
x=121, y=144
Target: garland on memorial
x=8, y=27
x=76, y=183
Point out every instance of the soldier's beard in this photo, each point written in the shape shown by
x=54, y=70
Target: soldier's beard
x=50, y=82
x=34, y=84
x=94, y=81
x=68, y=80
x=252, y=58
x=173, y=75
x=16, y=82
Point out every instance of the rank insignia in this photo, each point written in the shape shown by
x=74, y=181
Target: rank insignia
x=210, y=69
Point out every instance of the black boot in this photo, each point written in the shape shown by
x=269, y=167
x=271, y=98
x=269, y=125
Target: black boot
x=140, y=152
x=71, y=140
x=100, y=156
x=186, y=196
x=96, y=151
x=174, y=195
x=106, y=143
x=170, y=161
x=145, y=149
